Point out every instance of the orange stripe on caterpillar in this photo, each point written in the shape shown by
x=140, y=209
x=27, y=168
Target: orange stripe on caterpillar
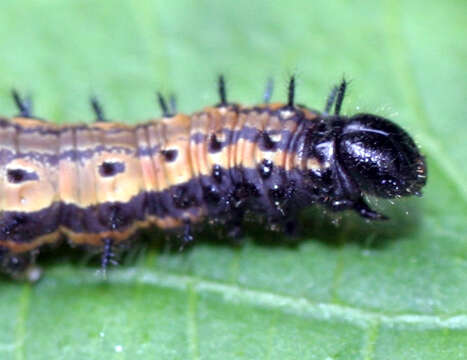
x=99, y=183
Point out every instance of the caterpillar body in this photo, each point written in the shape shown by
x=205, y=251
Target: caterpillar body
x=98, y=184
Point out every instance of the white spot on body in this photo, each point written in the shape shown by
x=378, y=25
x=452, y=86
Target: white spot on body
x=286, y=113
x=275, y=137
x=222, y=110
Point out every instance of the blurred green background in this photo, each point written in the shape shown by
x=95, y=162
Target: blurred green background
x=396, y=290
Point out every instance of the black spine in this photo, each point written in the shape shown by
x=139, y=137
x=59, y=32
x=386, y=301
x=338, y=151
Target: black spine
x=163, y=105
x=291, y=92
x=24, y=105
x=340, y=96
x=97, y=108
x=222, y=91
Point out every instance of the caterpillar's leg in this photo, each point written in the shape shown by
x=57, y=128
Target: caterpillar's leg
x=362, y=208
x=187, y=236
x=234, y=226
x=108, y=256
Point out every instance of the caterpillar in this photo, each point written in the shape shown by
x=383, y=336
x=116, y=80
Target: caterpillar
x=98, y=184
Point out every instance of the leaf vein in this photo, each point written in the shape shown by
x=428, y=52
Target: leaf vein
x=192, y=329
x=289, y=304
x=20, y=332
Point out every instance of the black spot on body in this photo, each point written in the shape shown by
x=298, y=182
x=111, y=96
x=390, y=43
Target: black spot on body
x=170, y=154
x=265, y=168
x=277, y=193
x=110, y=168
x=211, y=194
x=267, y=142
x=217, y=173
x=214, y=144
x=16, y=176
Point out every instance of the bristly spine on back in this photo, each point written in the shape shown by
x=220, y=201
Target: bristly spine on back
x=99, y=183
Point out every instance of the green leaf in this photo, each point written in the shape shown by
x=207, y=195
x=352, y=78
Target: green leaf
x=396, y=290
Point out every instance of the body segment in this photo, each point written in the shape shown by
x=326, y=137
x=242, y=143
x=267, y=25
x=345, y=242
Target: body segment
x=103, y=180
x=98, y=184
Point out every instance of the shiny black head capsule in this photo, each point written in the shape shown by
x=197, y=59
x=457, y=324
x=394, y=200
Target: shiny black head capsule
x=363, y=154
x=380, y=157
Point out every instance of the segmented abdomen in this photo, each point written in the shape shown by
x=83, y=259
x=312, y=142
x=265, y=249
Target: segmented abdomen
x=106, y=180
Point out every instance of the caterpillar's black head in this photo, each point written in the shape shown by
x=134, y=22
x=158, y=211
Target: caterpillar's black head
x=362, y=154
x=380, y=157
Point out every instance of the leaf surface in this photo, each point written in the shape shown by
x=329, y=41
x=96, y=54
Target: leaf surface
x=394, y=290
